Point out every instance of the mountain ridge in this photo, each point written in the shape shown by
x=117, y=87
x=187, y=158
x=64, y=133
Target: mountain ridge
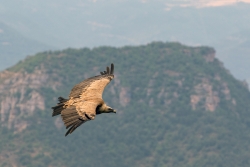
x=176, y=106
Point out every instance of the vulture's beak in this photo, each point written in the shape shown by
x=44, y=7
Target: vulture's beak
x=114, y=111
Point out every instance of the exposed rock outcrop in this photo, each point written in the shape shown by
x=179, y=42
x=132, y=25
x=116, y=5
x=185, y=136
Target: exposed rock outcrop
x=206, y=96
x=21, y=96
x=124, y=96
x=210, y=57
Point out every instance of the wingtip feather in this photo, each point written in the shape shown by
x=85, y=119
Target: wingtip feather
x=107, y=72
x=112, y=68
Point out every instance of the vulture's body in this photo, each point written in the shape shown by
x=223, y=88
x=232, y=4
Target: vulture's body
x=85, y=101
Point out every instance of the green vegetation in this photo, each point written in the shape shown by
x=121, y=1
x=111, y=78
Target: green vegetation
x=157, y=127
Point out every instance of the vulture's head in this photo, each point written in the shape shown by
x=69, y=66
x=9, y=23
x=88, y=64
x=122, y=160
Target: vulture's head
x=106, y=109
x=110, y=110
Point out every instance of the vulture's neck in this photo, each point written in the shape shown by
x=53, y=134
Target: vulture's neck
x=101, y=108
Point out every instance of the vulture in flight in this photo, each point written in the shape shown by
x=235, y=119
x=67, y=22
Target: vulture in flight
x=85, y=101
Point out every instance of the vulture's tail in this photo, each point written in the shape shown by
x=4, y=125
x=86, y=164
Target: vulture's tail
x=59, y=107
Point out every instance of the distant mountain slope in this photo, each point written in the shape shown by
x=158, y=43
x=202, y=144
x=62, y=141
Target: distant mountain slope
x=15, y=47
x=94, y=23
x=90, y=23
x=176, y=106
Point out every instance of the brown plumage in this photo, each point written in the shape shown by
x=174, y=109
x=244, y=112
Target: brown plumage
x=85, y=101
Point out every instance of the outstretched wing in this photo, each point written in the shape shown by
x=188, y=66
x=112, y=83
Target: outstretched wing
x=93, y=87
x=84, y=99
x=78, y=113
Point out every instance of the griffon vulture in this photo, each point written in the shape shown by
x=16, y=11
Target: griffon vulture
x=85, y=101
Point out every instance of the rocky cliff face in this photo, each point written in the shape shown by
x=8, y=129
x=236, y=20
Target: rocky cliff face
x=176, y=106
x=21, y=92
x=208, y=96
x=21, y=96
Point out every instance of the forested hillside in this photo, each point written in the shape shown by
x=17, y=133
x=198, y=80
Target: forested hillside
x=176, y=106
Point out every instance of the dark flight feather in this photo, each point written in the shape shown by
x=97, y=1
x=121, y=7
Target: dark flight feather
x=112, y=69
x=107, y=70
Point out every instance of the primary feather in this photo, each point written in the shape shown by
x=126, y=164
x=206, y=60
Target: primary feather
x=85, y=101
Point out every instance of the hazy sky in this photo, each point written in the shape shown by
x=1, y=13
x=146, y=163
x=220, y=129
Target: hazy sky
x=197, y=3
x=221, y=24
x=221, y=2
x=203, y=3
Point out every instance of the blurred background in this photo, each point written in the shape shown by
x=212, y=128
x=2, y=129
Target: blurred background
x=28, y=27
x=180, y=87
